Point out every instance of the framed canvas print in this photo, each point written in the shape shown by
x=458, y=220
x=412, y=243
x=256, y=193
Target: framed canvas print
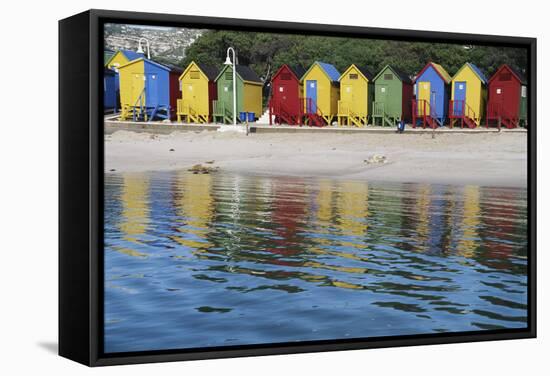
x=241, y=187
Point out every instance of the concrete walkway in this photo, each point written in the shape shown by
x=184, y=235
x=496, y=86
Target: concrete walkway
x=112, y=125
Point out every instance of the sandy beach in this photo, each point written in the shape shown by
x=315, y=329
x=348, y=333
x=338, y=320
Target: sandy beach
x=490, y=159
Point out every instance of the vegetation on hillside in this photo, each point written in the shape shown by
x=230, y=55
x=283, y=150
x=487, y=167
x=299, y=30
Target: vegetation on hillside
x=265, y=52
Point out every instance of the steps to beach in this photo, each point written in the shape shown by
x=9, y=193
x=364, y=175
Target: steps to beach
x=264, y=119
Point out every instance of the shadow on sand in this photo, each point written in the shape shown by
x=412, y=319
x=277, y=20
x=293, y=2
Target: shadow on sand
x=51, y=347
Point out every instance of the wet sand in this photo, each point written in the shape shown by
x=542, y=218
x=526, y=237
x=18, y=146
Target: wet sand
x=489, y=159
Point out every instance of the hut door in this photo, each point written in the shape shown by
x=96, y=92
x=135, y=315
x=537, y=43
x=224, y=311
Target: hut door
x=138, y=82
x=227, y=96
x=190, y=94
x=151, y=85
x=383, y=93
x=496, y=100
x=311, y=95
x=460, y=98
x=347, y=95
x=423, y=95
x=498, y=95
x=282, y=93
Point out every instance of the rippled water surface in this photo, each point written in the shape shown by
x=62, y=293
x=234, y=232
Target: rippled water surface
x=216, y=260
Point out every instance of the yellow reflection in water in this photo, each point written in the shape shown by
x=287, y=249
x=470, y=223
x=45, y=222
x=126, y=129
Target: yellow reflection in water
x=129, y=252
x=470, y=222
x=135, y=206
x=352, y=207
x=324, y=202
x=450, y=209
x=194, y=205
x=423, y=210
x=345, y=269
x=347, y=285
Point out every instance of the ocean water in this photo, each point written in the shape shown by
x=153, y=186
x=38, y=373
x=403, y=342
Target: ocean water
x=219, y=260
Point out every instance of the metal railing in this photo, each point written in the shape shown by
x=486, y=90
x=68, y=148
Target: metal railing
x=496, y=111
x=344, y=108
x=378, y=109
x=219, y=109
x=459, y=109
x=279, y=109
x=422, y=109
x=311, y=107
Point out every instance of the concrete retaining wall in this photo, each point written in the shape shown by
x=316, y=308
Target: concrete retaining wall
x=165, y=128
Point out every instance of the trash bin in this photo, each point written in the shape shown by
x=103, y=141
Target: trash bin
x=401, y=126
x=242, y=116
x=251, y=117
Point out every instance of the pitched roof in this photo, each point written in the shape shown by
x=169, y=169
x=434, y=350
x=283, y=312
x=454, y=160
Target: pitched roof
x=173, y=68
x=162, y=66
x=245, y=72
x=520, y=75
x=248, y=74
x=298, y=70
x=107, y=55
x=209, y=70
x=474, y=69
x=442, y=72
x=131, y=55
x=515, y=72
x=438, y=69
x=362, y=70
x=366, y=72
x=330, y=70
x=478, y=71
x=404, y=77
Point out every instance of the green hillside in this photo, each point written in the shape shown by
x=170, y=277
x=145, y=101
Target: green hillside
x=265, y=52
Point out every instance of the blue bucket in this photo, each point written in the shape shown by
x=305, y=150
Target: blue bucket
x=242, y=116
x=251, y=117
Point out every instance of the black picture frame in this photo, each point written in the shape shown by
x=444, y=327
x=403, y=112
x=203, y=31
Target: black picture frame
x=81, y=187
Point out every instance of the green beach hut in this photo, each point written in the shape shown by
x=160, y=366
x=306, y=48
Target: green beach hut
x=393, y=93
x=249, y=94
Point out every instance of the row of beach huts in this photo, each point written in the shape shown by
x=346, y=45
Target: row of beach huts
x=144, y=90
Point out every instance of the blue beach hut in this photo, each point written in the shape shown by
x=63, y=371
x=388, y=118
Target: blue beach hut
x=148, y=90
x=432, y=88
x=109, y=90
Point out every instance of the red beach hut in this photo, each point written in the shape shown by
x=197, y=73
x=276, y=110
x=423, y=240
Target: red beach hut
x=507, y=102
x=285, y=105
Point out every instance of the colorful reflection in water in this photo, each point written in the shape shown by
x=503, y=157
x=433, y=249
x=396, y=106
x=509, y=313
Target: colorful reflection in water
x=215, y=260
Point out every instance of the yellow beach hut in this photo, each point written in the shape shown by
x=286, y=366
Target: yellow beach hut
x=322, y=91
x=198, y=90
x=468, y=96
x=113, y=61
x=356, y=94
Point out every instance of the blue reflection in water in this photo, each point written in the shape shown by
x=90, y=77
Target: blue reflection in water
x=214, y=260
